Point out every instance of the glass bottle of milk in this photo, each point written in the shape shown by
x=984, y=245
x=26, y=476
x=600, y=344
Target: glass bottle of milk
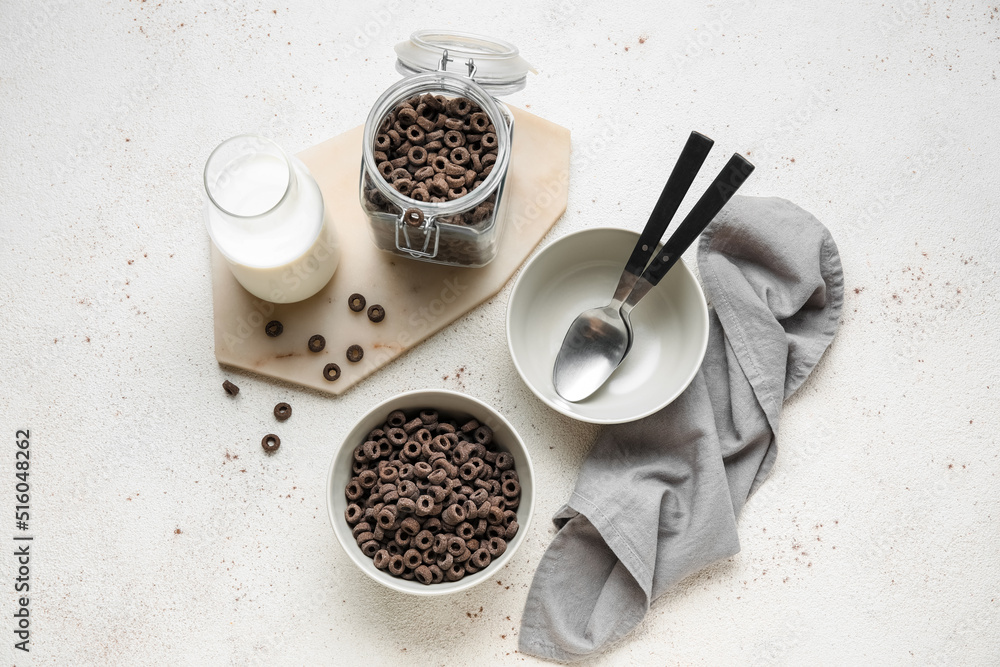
x=265, y=214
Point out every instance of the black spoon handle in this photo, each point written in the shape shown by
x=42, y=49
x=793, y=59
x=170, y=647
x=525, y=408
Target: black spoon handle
x=691, y=158
x=715, y=198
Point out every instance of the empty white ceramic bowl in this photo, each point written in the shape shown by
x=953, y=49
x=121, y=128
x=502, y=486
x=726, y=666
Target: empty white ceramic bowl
x=580, y=271
x=455, y=405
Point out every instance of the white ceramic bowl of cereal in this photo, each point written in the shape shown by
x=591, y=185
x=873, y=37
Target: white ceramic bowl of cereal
x=461, y=408
x=580, y=271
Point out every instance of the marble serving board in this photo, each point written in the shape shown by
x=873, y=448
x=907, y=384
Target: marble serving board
x=419, y=298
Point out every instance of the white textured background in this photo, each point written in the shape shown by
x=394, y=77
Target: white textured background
x=164, y=536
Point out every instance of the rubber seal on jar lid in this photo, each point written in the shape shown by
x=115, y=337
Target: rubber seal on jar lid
x=492, y=63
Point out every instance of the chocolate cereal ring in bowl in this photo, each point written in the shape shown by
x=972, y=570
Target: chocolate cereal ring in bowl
x=431, y=510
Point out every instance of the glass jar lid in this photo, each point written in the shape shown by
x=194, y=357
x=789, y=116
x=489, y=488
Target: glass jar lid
x=492, y=63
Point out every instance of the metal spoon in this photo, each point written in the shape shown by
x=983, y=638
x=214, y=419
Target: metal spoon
x=596, y=351
x=599, y=338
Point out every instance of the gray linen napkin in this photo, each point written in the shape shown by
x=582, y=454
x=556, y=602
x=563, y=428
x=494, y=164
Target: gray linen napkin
x=658, y=499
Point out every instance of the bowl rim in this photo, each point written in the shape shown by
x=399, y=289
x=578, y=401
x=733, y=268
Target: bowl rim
x=470, y=581
x=561, y=409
